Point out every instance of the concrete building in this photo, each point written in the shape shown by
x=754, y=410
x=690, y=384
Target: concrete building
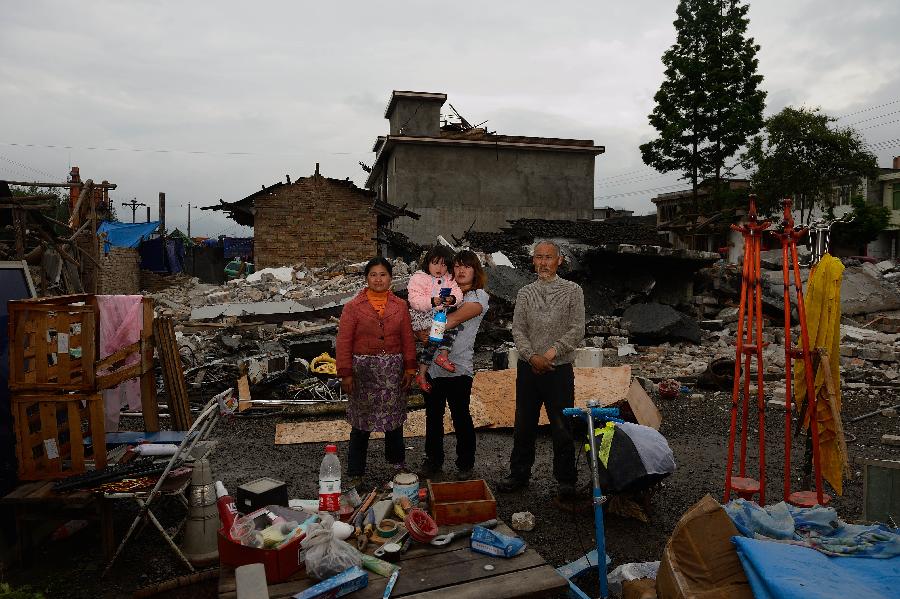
x=460, y=177
x=606, y=212
x=677, y=216
x=315, y=220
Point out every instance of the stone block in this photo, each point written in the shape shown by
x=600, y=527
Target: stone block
x=892, y=440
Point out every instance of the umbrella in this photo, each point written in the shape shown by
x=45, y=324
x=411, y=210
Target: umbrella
x=631, y=456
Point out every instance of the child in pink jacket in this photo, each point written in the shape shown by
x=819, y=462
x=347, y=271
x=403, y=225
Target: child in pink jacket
x=424, y=289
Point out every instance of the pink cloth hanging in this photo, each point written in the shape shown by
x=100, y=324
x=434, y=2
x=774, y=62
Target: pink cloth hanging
x=121, y=321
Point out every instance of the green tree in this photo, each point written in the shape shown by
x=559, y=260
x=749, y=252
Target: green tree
x=802, y=156
x=866, y=221
x=709, y=103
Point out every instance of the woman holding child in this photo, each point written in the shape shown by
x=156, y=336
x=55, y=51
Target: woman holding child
x=452, y=386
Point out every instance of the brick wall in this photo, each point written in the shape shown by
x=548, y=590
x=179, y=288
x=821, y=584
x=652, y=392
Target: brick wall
x=315, y=220
x=119, y=272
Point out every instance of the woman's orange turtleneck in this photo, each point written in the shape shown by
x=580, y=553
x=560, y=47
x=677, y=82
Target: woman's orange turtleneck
x=378, y=300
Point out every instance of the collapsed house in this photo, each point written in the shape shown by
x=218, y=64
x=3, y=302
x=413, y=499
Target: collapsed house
x=461, y=177
x=313, y=220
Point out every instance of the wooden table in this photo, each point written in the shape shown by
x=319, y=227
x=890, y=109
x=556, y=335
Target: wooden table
x=37, y=501
x=428, y=572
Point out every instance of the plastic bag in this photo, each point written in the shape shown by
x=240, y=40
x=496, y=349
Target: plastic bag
x=326, y=555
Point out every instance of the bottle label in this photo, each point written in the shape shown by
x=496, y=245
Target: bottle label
x=437, y=330
x=329, y=495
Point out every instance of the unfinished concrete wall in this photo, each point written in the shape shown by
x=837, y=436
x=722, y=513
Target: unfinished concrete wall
x=316, y=221
x=452, y=187
x=120, y=272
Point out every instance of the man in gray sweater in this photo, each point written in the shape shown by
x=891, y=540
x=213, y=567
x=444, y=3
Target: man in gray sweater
x=548, y=324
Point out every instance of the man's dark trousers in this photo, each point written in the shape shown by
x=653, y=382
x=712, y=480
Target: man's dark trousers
x=554, y=390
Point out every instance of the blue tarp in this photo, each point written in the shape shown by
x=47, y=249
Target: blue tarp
x=817, y=527
x=235, y=247
x=154, y=259
x=127, y=235
x=780, y=570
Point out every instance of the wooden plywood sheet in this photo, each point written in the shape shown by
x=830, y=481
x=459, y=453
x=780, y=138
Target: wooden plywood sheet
x=289, y=433
x=496, y=391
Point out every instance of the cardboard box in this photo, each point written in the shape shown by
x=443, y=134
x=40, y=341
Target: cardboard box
x=461, y=502
x=700, y=560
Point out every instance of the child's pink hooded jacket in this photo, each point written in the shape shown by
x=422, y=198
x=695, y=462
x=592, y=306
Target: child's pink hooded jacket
x=422, y=287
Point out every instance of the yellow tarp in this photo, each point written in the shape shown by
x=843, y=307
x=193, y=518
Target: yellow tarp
x=823, y=319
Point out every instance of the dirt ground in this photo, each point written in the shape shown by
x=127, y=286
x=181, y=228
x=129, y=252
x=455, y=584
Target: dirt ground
x=696, y=430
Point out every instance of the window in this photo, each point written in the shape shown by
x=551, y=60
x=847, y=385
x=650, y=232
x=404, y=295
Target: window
x=896, y=196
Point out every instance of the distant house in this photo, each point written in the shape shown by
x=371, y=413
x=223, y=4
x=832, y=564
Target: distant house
x=316, y=220
x=680, y=217
x=459, y=177
x=880, y=190
x=610, y=212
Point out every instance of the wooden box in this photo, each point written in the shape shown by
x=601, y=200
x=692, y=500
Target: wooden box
x=51, y=430
x=53, y=344
x=461, y=502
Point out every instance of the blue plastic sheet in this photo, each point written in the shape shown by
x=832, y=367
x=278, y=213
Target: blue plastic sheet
x=235, y=247
x=127, y=235
x=817, y=527
x=781, y=570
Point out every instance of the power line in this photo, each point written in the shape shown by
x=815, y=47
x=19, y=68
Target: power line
x=872, y=118
x=164, y=151
x=869, y=109
x=879, y=125
x=36, y=170
x=638, y=191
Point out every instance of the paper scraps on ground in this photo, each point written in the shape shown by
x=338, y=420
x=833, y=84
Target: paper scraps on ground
x=289, y=433
x=496, y=390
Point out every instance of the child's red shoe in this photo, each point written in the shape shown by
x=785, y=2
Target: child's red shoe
x=423, y=383
x=444, y=362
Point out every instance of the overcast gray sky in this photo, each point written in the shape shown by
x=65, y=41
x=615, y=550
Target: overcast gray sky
x=209, y=100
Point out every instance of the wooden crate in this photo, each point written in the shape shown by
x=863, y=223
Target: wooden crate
x=53, y=344
x=51, y=430
x=461, y=502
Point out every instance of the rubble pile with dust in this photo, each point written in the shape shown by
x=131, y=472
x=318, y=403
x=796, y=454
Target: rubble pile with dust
x=281, y=284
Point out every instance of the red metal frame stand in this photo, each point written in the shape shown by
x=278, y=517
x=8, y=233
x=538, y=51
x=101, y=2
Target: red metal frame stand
x=749, y=344
x=789, y=236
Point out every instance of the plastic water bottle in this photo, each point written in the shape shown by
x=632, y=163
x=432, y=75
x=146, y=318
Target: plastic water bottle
x=330, y=482
x=438, y=325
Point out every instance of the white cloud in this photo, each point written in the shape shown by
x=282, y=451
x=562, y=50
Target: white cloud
x=298, y=83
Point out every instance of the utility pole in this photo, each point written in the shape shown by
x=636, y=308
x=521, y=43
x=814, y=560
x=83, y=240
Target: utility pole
x=133, y=204
x=148, y=214
x=189, y=221
x=162, y=228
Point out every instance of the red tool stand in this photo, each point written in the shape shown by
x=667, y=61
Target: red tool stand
x=748, y=347
x=789, y=235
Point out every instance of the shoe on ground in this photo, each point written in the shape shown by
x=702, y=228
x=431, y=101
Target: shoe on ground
x=464, y=473
x=423, y=383
x=511, y=483
x=429, y=469
x=566, y=491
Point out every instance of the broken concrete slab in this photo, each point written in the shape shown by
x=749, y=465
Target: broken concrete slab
x=504, y=282
x=285, y=274
x=861, y=293
x=286, y=308
x=656, y=322
x=886, y=266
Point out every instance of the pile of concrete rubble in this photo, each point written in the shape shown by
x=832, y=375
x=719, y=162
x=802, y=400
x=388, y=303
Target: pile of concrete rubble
x=290, y=313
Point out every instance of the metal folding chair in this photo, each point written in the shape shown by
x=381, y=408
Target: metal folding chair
x=202, y=426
